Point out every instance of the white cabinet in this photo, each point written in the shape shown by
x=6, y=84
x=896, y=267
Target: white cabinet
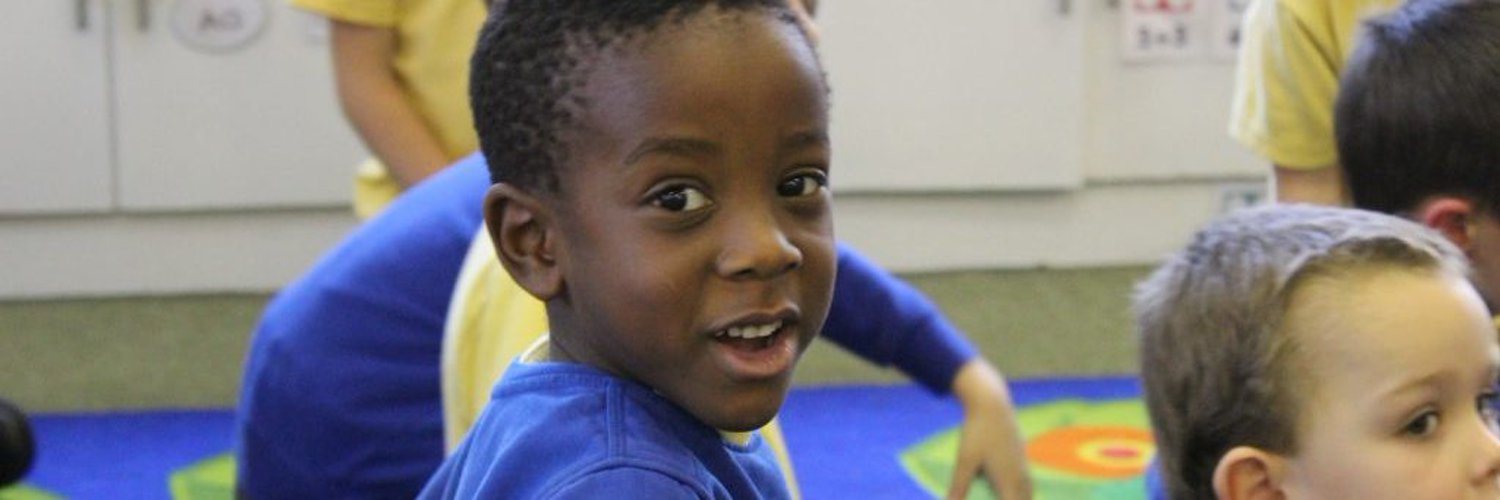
x=54, y=123
x=250, y=127
x=957, y=95
x=134, y=118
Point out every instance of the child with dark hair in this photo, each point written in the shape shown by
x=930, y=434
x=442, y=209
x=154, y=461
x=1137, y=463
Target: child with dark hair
x=1313, y=352
x=661, y=176
x=1418, y=124
x=329, y=409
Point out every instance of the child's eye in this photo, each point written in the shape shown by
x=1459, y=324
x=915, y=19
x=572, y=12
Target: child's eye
x=680, y=199
x=1423, y=425
x=1486, y=404
x=804, y=184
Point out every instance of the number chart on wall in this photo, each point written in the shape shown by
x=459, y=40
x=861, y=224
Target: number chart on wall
x=1181, y=30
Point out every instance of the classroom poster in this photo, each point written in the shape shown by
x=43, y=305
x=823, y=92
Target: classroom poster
x=1157, y=31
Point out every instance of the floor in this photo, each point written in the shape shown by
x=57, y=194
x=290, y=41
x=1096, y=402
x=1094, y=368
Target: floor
x=186, y=351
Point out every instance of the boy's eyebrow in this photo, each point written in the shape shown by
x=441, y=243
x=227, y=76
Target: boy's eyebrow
x=1411, y=384
x=805, y=139
x=675, y=146
x=690, y=146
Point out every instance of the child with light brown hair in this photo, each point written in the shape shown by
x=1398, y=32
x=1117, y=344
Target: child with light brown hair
x=1308, y=352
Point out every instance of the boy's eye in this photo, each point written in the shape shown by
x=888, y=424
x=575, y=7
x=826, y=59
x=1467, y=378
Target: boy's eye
x=1486, y=404
x=680, y=199
x=1423, y=425
x=804, y=184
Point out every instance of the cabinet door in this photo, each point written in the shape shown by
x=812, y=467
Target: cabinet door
x=54, y=113
x=954, y=95
x=251, y=126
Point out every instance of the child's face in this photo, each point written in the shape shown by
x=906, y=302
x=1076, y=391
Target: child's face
x=694, y=213
x=1399, y=370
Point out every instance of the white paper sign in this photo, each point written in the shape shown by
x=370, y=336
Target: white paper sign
x=1163, y=30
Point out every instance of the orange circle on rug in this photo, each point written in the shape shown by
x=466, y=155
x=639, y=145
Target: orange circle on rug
x=1096, y=452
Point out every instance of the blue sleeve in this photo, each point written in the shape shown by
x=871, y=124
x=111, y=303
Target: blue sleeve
x=626, y=483
x=340, y=393
x=888, y=322
x=1155, y=489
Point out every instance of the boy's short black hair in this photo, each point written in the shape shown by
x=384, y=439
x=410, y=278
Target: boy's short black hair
x=530, y=60
x=1418, y=112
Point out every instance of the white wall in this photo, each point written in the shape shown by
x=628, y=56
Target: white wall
x=1155, y=162
x=162, y=253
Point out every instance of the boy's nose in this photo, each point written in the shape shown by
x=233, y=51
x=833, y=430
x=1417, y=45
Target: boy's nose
x=1486, y=471
x=757, y=248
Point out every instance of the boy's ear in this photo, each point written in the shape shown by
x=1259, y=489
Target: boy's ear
x=1246, y=473
x=1451, y=216
x=520, y=225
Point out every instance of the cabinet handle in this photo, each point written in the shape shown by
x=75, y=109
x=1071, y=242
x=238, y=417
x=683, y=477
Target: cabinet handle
x=143, y=15
x=81, y=14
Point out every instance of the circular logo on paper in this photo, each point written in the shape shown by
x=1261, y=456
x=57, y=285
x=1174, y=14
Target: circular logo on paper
x=1101, y=452
x=218, y=25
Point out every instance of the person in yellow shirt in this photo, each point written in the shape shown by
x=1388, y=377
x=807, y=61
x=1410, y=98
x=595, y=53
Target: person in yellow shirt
x=1291, y=55
x=401, y=68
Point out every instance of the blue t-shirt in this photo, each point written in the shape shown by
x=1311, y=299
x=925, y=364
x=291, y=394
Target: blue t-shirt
x=341, y=392
x=565, y=430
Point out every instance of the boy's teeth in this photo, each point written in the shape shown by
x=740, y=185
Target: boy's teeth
x=749, y=332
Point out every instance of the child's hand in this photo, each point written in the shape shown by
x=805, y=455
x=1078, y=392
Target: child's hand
x=989, y=440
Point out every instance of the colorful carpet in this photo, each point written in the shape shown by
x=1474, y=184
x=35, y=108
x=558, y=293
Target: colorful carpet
x=1087, y=439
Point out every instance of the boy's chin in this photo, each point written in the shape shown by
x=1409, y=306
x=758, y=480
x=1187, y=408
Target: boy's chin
x=743, y=417
x=744, y=424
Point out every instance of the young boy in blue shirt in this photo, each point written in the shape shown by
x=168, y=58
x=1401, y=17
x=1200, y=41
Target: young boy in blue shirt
x=661, y=174
x=340, y=394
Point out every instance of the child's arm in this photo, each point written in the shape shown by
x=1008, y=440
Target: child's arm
x=372, y=99
x=990, y=439
x=888, y=322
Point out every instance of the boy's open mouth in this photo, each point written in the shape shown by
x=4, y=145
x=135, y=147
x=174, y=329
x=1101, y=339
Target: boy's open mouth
x=757, y=351
x=751, y=338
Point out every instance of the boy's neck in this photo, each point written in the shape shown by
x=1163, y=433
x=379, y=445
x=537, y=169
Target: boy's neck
x=540, y=351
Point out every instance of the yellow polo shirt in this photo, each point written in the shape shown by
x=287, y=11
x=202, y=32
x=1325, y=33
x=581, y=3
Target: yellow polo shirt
x=1291, y=55
x=434, y=41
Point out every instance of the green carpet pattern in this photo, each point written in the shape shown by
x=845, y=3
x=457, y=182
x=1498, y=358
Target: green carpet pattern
x=1077, y=450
